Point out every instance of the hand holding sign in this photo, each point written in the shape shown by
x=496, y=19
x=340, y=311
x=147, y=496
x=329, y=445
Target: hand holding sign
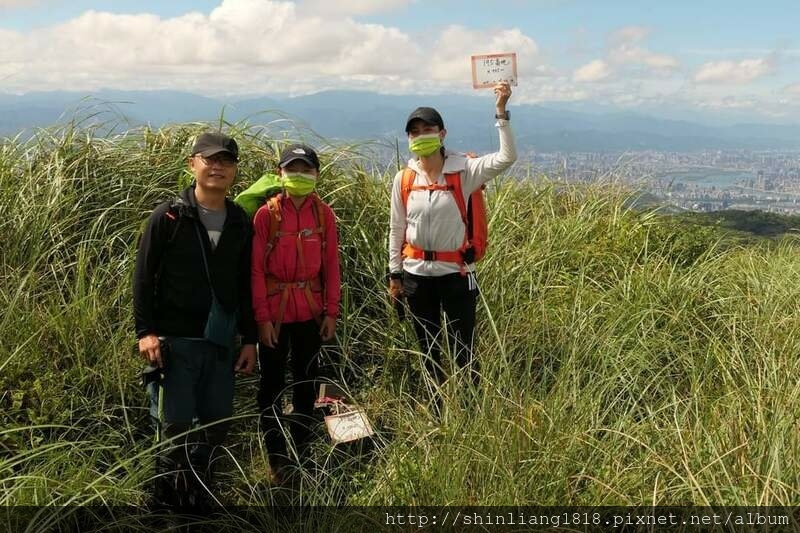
x=503, y=93
x=490, y=69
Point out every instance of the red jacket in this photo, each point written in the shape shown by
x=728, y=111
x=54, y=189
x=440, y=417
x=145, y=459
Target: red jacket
x=283, y=263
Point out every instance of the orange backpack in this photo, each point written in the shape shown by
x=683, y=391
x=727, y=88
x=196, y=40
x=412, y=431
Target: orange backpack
x=473, y=214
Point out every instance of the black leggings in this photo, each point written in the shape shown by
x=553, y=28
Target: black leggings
x=427, y=296
x=303, y=340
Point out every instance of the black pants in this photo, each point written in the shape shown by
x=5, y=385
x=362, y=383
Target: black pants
x=427, y=296
x=302, y=340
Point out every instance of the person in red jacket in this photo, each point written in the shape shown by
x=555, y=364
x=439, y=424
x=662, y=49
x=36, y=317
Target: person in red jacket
x=296, y=290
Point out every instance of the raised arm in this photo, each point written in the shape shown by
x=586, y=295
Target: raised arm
x=482, y=169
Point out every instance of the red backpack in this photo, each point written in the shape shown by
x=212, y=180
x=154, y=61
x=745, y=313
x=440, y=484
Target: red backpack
x=473, y=214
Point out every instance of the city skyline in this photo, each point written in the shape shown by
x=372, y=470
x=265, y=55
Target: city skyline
x=736, y=59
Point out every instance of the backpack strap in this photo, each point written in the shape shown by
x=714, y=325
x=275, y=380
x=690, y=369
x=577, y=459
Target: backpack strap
x=274, y=206
x=452, y=184
x=453, y=180
x=274, y=209
x=319, y=216
x=175, y=212
x=407, y=185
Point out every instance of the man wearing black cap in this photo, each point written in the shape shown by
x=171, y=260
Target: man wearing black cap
x=295, y=280
x=191, y=294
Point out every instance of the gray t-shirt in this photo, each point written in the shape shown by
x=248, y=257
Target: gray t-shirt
x=213, y=220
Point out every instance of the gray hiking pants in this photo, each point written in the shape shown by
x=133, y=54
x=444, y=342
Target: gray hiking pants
x=197, y=388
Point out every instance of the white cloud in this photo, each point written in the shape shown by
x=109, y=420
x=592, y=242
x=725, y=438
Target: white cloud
x=730, y=102
x=627, y=49
x=455, y=44
x=740, y=51
x=15, y=3
x=790, y=97
x=627, y=58
x=557, y=91
x=630, y=34
x=256, y=47
x=738, y=72
x=249, y=46
x=352, y=7
x=237, y=43
x=596, y=70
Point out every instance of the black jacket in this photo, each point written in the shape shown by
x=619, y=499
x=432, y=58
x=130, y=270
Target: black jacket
x=171, y=294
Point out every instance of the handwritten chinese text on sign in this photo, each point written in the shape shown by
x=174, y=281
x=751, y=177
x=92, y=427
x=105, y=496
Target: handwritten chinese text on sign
x=491, y=69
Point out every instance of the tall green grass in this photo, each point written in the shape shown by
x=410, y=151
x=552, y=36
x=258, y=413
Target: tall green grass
x=624, y=360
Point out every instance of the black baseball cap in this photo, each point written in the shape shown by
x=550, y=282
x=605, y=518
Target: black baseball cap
x=208, y=144
x=302, y=152
x=426, y=114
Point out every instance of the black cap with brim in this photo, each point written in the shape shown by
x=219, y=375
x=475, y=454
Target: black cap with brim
x=427, y=115
x=209, y=144
x=303, y=152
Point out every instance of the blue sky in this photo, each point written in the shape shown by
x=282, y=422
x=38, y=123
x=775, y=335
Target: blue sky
x=710, y=56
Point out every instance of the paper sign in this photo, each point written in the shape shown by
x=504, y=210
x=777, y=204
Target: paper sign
x=491, y=69
x=350, y=426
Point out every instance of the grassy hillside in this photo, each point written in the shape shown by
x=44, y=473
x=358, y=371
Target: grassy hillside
x=626, y=359
x=748, y=223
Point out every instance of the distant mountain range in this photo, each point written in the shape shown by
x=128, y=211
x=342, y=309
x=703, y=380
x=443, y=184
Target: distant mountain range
x=354, y=115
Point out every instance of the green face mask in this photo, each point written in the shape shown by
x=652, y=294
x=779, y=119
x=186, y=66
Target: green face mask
x=425, y=145
x=299, y=184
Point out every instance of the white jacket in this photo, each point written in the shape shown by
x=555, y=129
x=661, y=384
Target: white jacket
x=431, y=220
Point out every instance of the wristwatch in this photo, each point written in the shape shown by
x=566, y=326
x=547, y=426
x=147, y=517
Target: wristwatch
x=396, y=275
x=506, y=116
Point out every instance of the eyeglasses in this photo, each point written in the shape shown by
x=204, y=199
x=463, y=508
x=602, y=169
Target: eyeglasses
x=223, y=160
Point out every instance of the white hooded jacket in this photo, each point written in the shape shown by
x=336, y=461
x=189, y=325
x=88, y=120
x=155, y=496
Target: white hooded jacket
x=431, y=220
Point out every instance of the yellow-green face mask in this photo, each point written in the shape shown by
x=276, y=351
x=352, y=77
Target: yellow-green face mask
x=424, y=145
x=299, y=184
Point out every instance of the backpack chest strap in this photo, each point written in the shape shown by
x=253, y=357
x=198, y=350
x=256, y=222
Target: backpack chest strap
x=431, y=187
x=305, y=233
x=452, y=183
x=274, y=286
x=308, y=287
